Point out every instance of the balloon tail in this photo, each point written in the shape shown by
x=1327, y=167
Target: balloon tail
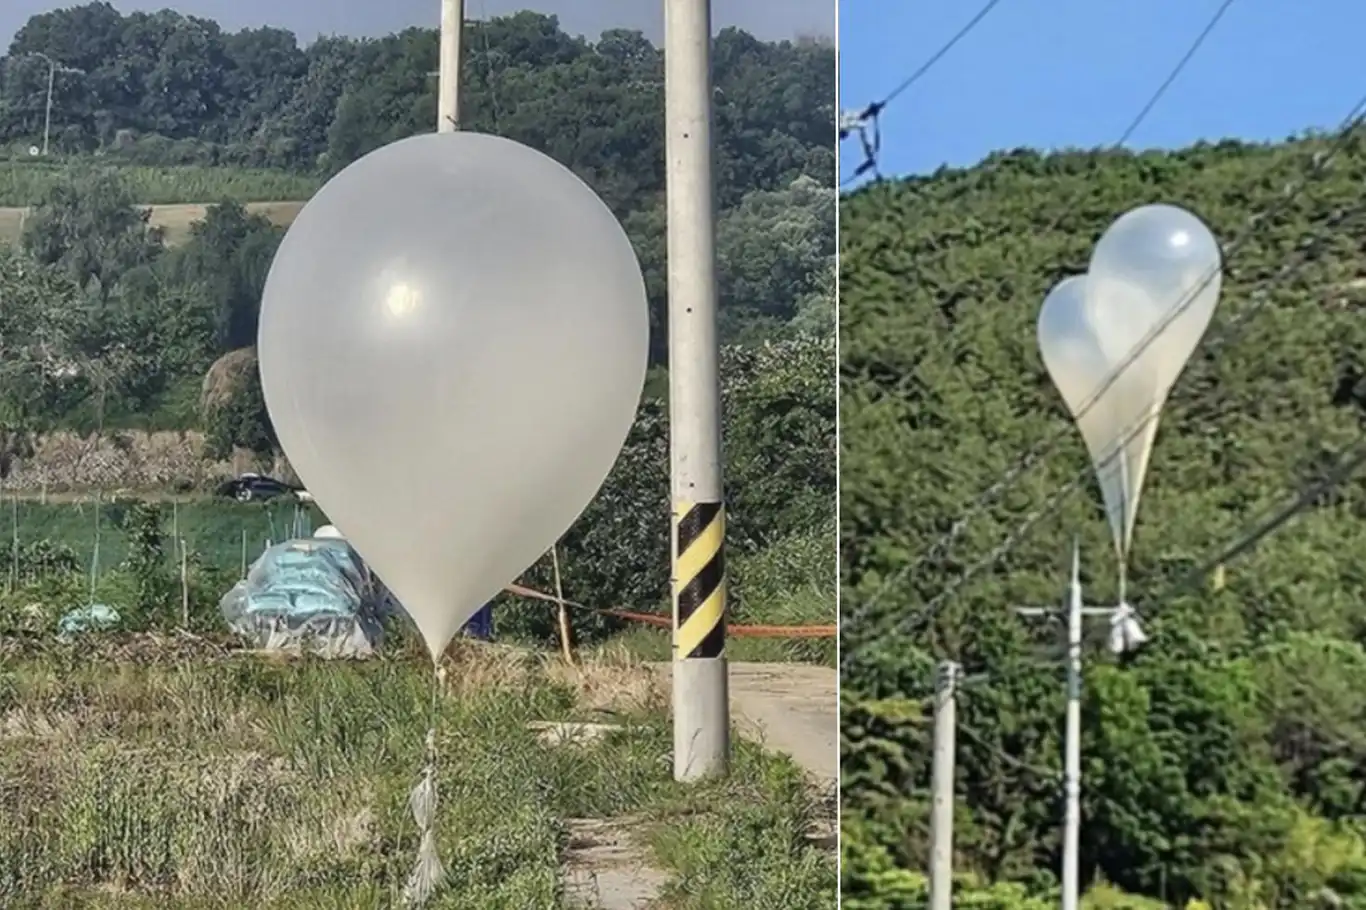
x=428, y=873
x=1123, y=579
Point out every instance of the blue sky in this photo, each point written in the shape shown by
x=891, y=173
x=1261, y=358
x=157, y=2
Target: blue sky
x=1057, y=73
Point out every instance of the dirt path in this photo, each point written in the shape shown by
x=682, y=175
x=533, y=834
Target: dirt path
x=789, y=708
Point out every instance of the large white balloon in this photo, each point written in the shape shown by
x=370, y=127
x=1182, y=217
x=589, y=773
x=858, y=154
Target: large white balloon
x=452, y=346
x=1116, y=339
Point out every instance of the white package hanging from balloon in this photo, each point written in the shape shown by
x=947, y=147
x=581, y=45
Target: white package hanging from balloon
x=453, y=342
x=1115, y=340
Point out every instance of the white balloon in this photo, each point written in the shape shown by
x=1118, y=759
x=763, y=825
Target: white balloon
x=452, y=346
x=1115, y=340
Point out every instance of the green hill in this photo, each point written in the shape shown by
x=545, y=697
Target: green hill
x=1227, y=760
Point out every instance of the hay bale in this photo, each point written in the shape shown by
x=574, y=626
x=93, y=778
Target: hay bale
x=227, y=377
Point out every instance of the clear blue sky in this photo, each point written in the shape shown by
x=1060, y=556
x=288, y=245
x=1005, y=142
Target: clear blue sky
x=1058, y=73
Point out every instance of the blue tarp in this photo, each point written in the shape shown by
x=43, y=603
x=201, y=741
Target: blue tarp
x=313, y=594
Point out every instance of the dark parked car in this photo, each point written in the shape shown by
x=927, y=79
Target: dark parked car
x=258, y=487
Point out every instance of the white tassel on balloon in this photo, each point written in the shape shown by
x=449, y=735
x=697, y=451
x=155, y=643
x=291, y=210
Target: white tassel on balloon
x=428, y=873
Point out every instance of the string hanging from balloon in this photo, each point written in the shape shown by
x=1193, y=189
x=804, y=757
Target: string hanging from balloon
x=428, y=872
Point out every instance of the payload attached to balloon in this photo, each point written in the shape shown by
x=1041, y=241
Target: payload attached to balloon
x=1115, y=339
x=453, y=342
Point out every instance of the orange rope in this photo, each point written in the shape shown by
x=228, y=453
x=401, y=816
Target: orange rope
x=665, y=622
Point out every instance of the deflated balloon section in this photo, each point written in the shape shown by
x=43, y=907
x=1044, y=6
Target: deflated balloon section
x=452, y=345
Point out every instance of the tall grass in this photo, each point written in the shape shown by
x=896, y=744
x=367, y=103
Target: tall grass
x=25, y=183
x=173, y=778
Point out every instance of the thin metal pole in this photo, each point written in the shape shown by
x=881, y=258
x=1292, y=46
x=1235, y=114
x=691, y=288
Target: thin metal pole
x=941, y=786
x=1071, y=834
x=448, y=68
x=47, y=117
x=701, y=701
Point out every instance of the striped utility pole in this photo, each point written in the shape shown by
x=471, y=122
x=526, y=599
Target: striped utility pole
x=701, y=700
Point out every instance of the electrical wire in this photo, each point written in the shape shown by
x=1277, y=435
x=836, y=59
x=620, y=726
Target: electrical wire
x=1349, y=461
x=1005, y=757
x=867, y=119
x=491, y=75
x=1175, y=72
x=1346, y=133
x=1352, y=459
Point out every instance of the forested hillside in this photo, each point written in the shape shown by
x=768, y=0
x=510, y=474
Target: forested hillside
x=104, y=327
x=1225, y=762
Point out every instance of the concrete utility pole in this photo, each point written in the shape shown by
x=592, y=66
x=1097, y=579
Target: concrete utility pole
x=448, y=71
x=701, y=698
x=1125, y=635
x=53, y=68
x=941, y=785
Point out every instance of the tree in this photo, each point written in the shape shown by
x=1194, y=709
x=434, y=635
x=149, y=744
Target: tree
x=228, y=255
x=1223, y=762
x=91, y=228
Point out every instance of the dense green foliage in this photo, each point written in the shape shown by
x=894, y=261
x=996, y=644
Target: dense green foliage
x=1224, y=762
x=164, y=88
x=104, y=326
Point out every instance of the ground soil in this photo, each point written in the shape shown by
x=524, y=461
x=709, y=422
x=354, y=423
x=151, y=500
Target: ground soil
x=789, y=708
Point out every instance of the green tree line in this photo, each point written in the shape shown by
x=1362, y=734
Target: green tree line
x=1224, y=764
x=168, y=89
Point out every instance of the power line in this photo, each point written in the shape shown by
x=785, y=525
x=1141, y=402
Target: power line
x=865, y=123
x=491, y=75
x=1349, y=461
x=1320, y=163
x=1245, y=542
x=1051, y=774
x=1175, y=73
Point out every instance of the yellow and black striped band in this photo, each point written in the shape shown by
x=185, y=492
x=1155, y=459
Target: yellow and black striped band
x=699, y=579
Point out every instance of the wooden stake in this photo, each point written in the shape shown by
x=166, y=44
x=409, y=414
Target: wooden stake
x=184, y=585
x=566, y=643
x=14, y=542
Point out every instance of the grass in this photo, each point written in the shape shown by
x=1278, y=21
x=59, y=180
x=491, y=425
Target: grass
x=174, y=773
x=214, y=529
x=24, y=183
